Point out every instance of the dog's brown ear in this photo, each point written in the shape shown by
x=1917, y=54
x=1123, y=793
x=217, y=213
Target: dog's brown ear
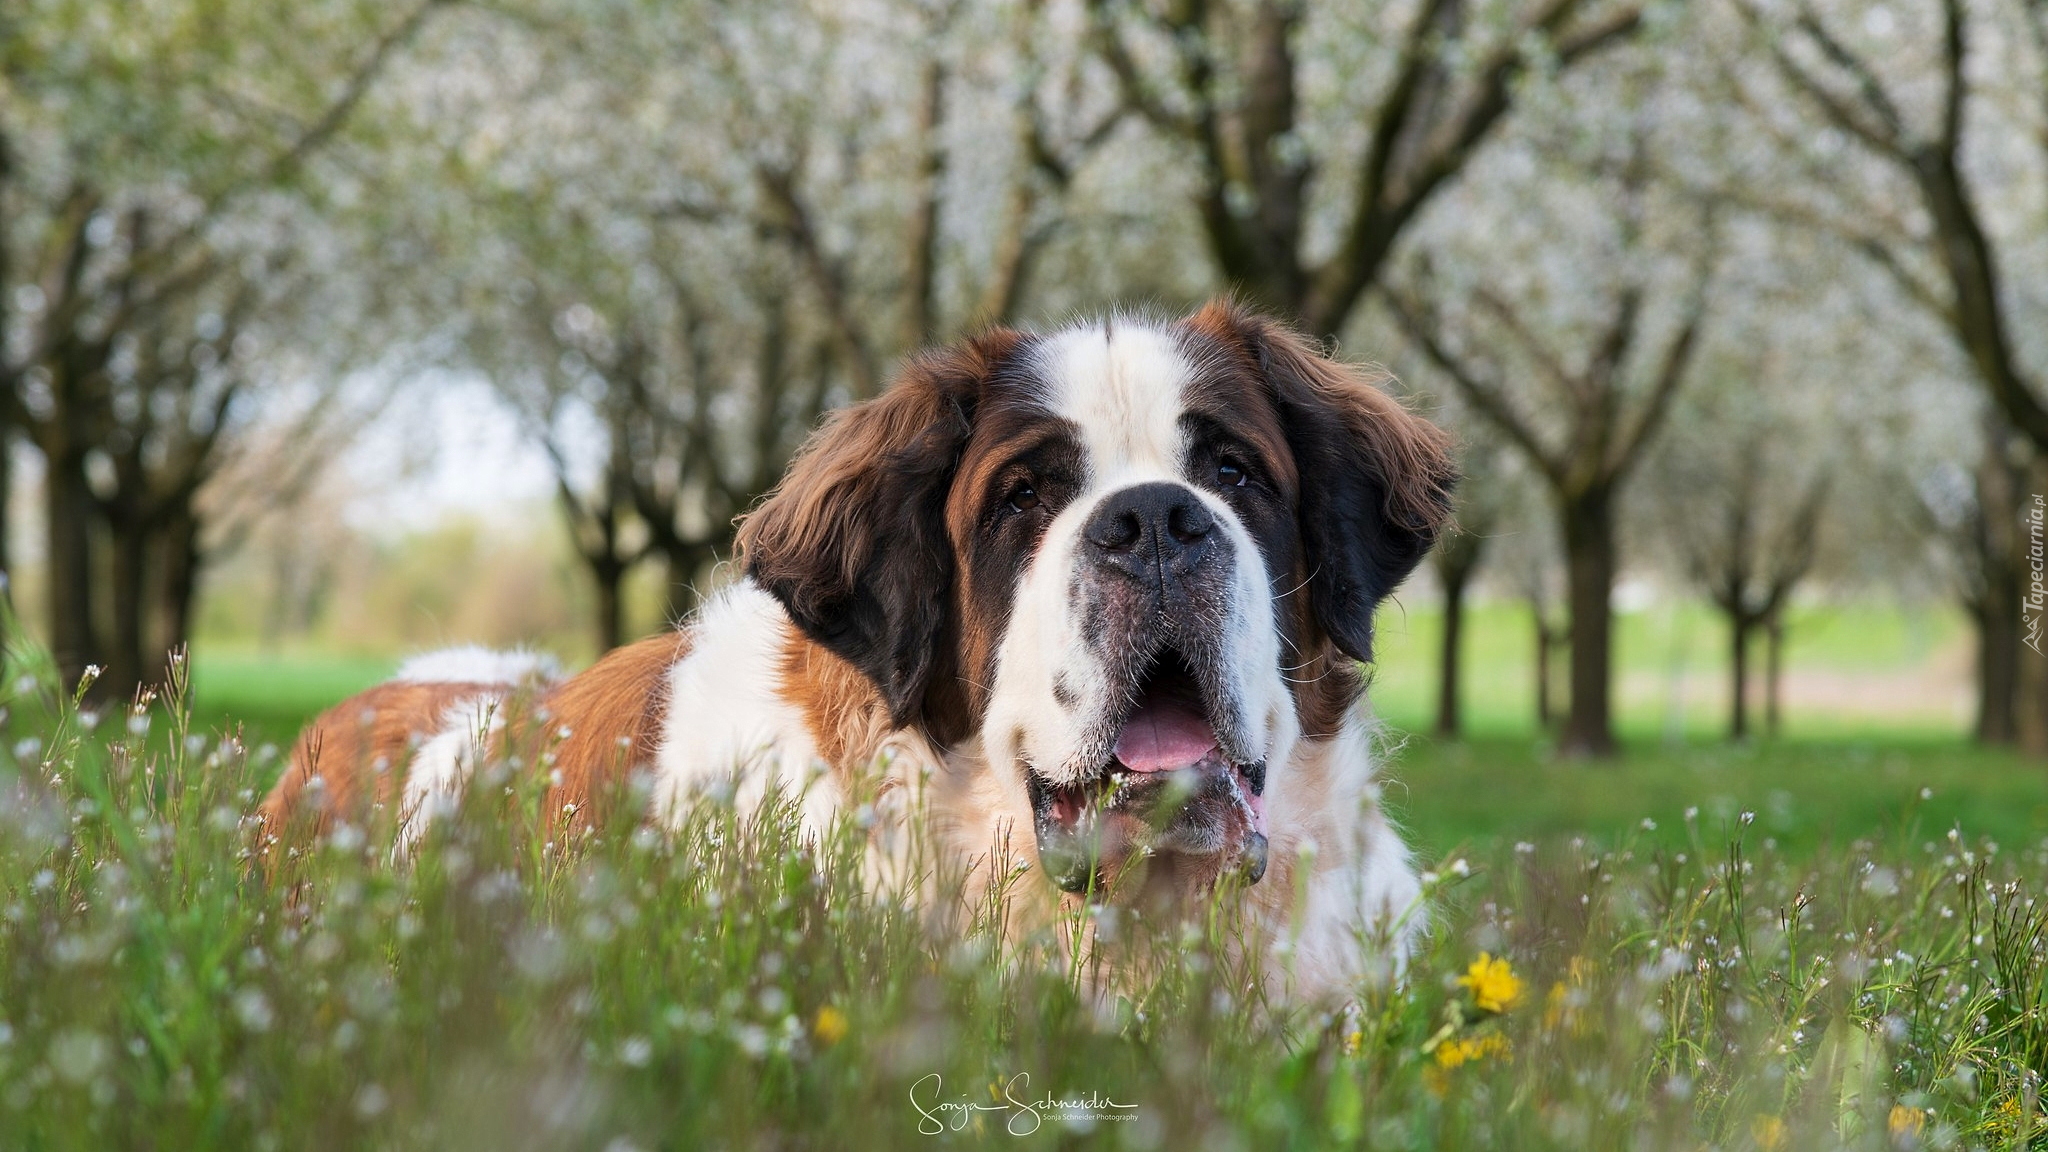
x=1376, y=478
x=853, y=541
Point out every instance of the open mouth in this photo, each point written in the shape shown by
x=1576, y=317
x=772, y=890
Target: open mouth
x=1167, y=787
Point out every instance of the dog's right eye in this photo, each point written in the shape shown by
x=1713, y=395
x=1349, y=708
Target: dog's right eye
x=1023, y=497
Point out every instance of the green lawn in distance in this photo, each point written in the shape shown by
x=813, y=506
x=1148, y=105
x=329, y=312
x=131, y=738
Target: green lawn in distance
x=1804, y=792
x=1852, y=670
x=271, y=696
x=1832, y=778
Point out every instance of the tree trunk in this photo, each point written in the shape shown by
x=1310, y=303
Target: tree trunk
x=10, y=381
x=177, y=586
x=1738, y=675
x=1588, y=533
x=920, y=313
x=6, y=506
x=2030, y=689
x=1457, y=558
x=1774, y=667
x=2031, y=678
x=1449, y=723
x=127, y=574
x=611, y=624
x=1999, y=544
x=74, y=641
x=1544, y=642
x=1997, y=668
x=8, y=604
x=596, y=532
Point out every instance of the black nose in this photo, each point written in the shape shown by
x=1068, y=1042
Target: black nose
x=1152, y=531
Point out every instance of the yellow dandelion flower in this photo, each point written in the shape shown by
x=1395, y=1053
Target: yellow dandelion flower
x=2006, y=1118
x=1906, y=1121
x=1561, y=1005
x=1353, y=1043
x=1494, y=985
x=830, y=1026
x=1767, y=1131
x=1457, y=1052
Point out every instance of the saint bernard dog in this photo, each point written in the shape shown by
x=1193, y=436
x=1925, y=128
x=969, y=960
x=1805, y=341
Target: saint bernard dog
x=1102, y=592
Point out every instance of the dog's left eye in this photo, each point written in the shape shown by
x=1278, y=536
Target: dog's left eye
x=1230, y=474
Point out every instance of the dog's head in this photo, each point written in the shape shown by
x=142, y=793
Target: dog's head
x=1137, y=559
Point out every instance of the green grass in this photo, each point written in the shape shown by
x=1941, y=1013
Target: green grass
x=1670, y=660
x=1805, y=793
x=271, y=696
x=1795, y=952
x=1830, y=779
x=731, y=986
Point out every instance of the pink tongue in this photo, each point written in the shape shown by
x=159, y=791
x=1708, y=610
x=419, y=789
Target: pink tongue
x=1161, y=736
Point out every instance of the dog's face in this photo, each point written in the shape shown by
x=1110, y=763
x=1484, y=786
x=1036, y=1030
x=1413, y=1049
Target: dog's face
x=1138, y=559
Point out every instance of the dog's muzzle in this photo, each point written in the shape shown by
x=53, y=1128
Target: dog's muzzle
x=1165, y=778
x=1168, y=794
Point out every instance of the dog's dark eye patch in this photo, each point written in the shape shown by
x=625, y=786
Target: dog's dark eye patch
x=1021, y=469
x=1035, y=484
x=1218, y=459
x=1223, y=462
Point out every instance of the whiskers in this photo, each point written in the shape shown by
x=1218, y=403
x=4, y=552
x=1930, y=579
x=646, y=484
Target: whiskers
x=1304, y=583
x=1318, y=678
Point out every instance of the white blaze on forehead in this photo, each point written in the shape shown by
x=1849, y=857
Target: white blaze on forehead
x=1120, y=383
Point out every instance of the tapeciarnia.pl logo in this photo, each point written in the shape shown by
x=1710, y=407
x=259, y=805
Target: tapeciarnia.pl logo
x=937, y=1114
x=2034, y=607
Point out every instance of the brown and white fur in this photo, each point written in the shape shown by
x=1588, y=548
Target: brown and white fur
x=421, y=731
x=1105, y=588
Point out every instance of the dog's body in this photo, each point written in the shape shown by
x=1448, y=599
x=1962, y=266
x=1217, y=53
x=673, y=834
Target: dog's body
x=1108, y=585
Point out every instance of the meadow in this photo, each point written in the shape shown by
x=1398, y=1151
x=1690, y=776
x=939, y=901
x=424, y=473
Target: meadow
x=1837, y=773
x=1825, y=940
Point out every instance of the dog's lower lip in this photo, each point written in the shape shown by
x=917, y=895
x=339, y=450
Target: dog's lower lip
x=1067, y=802
x=1210, y=810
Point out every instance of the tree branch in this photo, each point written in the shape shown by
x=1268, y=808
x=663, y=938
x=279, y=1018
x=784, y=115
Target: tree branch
x=1505, y=315
x=1671, y=373
x=780, y=188
x=1485, y=396
x=352, y=92
x=920, y=294
x=1954, y=88
x=1875, y=98
x=1130, y=78
x=1883, y=139
x=1391, y=194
